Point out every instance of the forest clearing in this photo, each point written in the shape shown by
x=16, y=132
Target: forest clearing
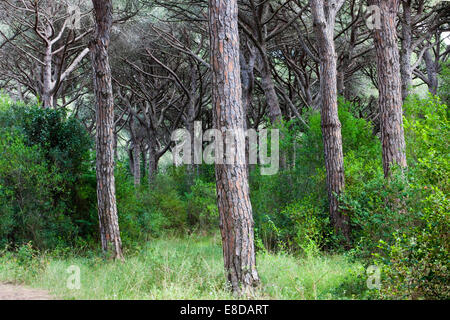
x=189, y=268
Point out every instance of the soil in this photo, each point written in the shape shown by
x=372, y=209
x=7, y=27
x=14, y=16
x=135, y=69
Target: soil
x=18, y=292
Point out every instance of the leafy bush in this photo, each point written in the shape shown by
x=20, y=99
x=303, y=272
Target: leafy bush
x=404, y=220
x=377, y=212
x=27, y=211
x=371, y=199
x=427, y=133
x=201, y=205
x=44, y=157
x=280, y=202
x=310, y=228
x=444, y=87
x=416, y=265
x=148, y=212
x=166, y=206
x=164, y=198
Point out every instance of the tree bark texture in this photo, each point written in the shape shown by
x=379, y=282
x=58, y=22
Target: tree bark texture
x=47, y=81
x=152, y=162
x=136, y=153
x=389, y=86
x=106, y=192
x=137, y=164
x=432, y=72
x=236, y=220
x=406, y=51
x=324, y=21
x=269, y=91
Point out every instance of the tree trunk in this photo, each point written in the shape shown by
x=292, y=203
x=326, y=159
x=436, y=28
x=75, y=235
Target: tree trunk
x=19, y=91
x=131, y=160
x=190, y=127
x=47, y=100
x=106, y=192
x=137, y=163
x=269, y=91
x=144, y=161
x=152, y=158
x=343, y=78
x=389, y=86
x=233, y=199
x=406, y=52
x=248, y=81
x=432, y=72
x=331, y=126
x=152, y=166
x=248, y=84
x=341, y=82
x=190, y=120
x=116, y=150
x=47, y=82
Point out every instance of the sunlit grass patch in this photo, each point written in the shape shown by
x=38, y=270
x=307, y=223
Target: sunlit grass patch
x=175, y=268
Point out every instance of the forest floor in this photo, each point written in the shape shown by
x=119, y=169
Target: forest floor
x=15, y=292
x=178, y=268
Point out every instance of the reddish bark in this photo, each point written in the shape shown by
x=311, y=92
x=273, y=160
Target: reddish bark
x=236, y=220
x=389, y=86
x=324, y=21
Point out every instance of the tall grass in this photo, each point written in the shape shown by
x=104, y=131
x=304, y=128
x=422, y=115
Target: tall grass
x=175, y=268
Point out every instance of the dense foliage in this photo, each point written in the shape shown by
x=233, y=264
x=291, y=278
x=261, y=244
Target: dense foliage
x=44, y=159
x=47, y=195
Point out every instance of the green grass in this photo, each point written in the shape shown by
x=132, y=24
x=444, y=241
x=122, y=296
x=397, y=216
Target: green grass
x=188, y=268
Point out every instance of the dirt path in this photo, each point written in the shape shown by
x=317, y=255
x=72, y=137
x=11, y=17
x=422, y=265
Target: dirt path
x=14, y=292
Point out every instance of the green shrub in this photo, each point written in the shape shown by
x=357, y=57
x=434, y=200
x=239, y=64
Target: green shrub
x=201, y=206
x=165, y=199
x=27, y=210
x=129, y=207
x=427, y=133
x=444, y=85
x=302, y=185
x=310, y=228
x=379, y=208
x=404, y=220
x=416, y=264
x=43, y=157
